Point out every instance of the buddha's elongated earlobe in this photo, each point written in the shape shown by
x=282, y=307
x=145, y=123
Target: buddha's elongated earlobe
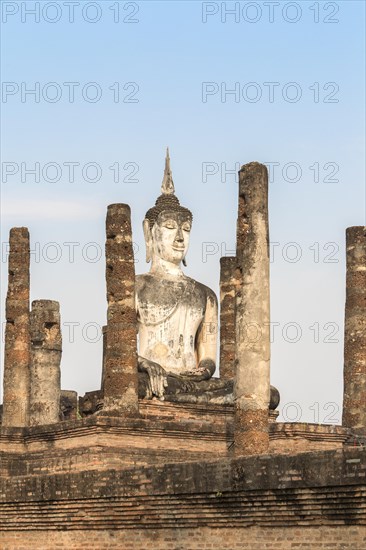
x=148, y=240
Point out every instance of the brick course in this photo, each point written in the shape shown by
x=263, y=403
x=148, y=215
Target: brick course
x=252, y=538
x=312, y=500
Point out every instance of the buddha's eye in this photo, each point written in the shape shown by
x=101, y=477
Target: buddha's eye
x=170, y=224
x=186, y=227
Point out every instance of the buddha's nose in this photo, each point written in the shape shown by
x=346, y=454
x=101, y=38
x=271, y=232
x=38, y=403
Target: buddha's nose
x=179, y=236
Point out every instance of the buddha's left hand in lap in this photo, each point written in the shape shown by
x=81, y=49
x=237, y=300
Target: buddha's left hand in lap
x=204, y=371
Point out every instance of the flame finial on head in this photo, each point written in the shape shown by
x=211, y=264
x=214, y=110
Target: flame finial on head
x=167, y=201
x=167, y=186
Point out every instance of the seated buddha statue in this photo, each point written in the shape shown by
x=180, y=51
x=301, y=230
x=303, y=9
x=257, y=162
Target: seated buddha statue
x=177, y=316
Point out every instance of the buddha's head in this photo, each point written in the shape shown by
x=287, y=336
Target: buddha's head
x=167, y=225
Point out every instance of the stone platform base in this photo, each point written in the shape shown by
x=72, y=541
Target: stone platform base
x=310, y=500
x=164, y=432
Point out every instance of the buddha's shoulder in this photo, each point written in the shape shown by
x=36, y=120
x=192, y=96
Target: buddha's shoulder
x=141, y=279
x=143, y=282
x=204, y=290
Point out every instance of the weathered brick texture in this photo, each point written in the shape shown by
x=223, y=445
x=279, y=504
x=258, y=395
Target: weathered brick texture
x=229, y=284
x=292, y=489
x=120, y=382
x=313, y=500
x=46, y=349
x=252, y=376
x=251, y=538
x=17, y=339
x=354, y=402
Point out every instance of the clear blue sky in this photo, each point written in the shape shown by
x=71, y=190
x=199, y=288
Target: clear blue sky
x=159, y=64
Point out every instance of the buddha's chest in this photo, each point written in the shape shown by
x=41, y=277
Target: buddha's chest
x=175, y=303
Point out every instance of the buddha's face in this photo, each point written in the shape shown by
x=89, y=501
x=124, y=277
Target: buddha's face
x=170, y=236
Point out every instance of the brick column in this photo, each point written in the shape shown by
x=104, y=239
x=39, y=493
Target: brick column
x=17, y=340
x=229, y=280
x=46, y=349
x=120, y=369
x=252, y=380
x=104, y=333
x=354, y=393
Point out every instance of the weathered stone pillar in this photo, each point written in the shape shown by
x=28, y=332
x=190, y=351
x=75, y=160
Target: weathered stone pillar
x=104, y=333
x=229, y=280
x=354, y=393
x=46, y=349
x=252, y=380
x=17, y=340
x=120, y=373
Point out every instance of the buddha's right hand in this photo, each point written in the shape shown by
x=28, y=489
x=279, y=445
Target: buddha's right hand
x=157, y=377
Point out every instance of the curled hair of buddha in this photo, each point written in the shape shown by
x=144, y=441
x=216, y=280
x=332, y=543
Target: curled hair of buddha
x=163, y=203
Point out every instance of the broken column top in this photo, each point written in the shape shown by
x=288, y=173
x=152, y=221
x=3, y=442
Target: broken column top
x=115, y=207
x=254, y=176
x=19, y=232
x=356, y=232
x=253, y=203
x=356, y=248
x=118, y=221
